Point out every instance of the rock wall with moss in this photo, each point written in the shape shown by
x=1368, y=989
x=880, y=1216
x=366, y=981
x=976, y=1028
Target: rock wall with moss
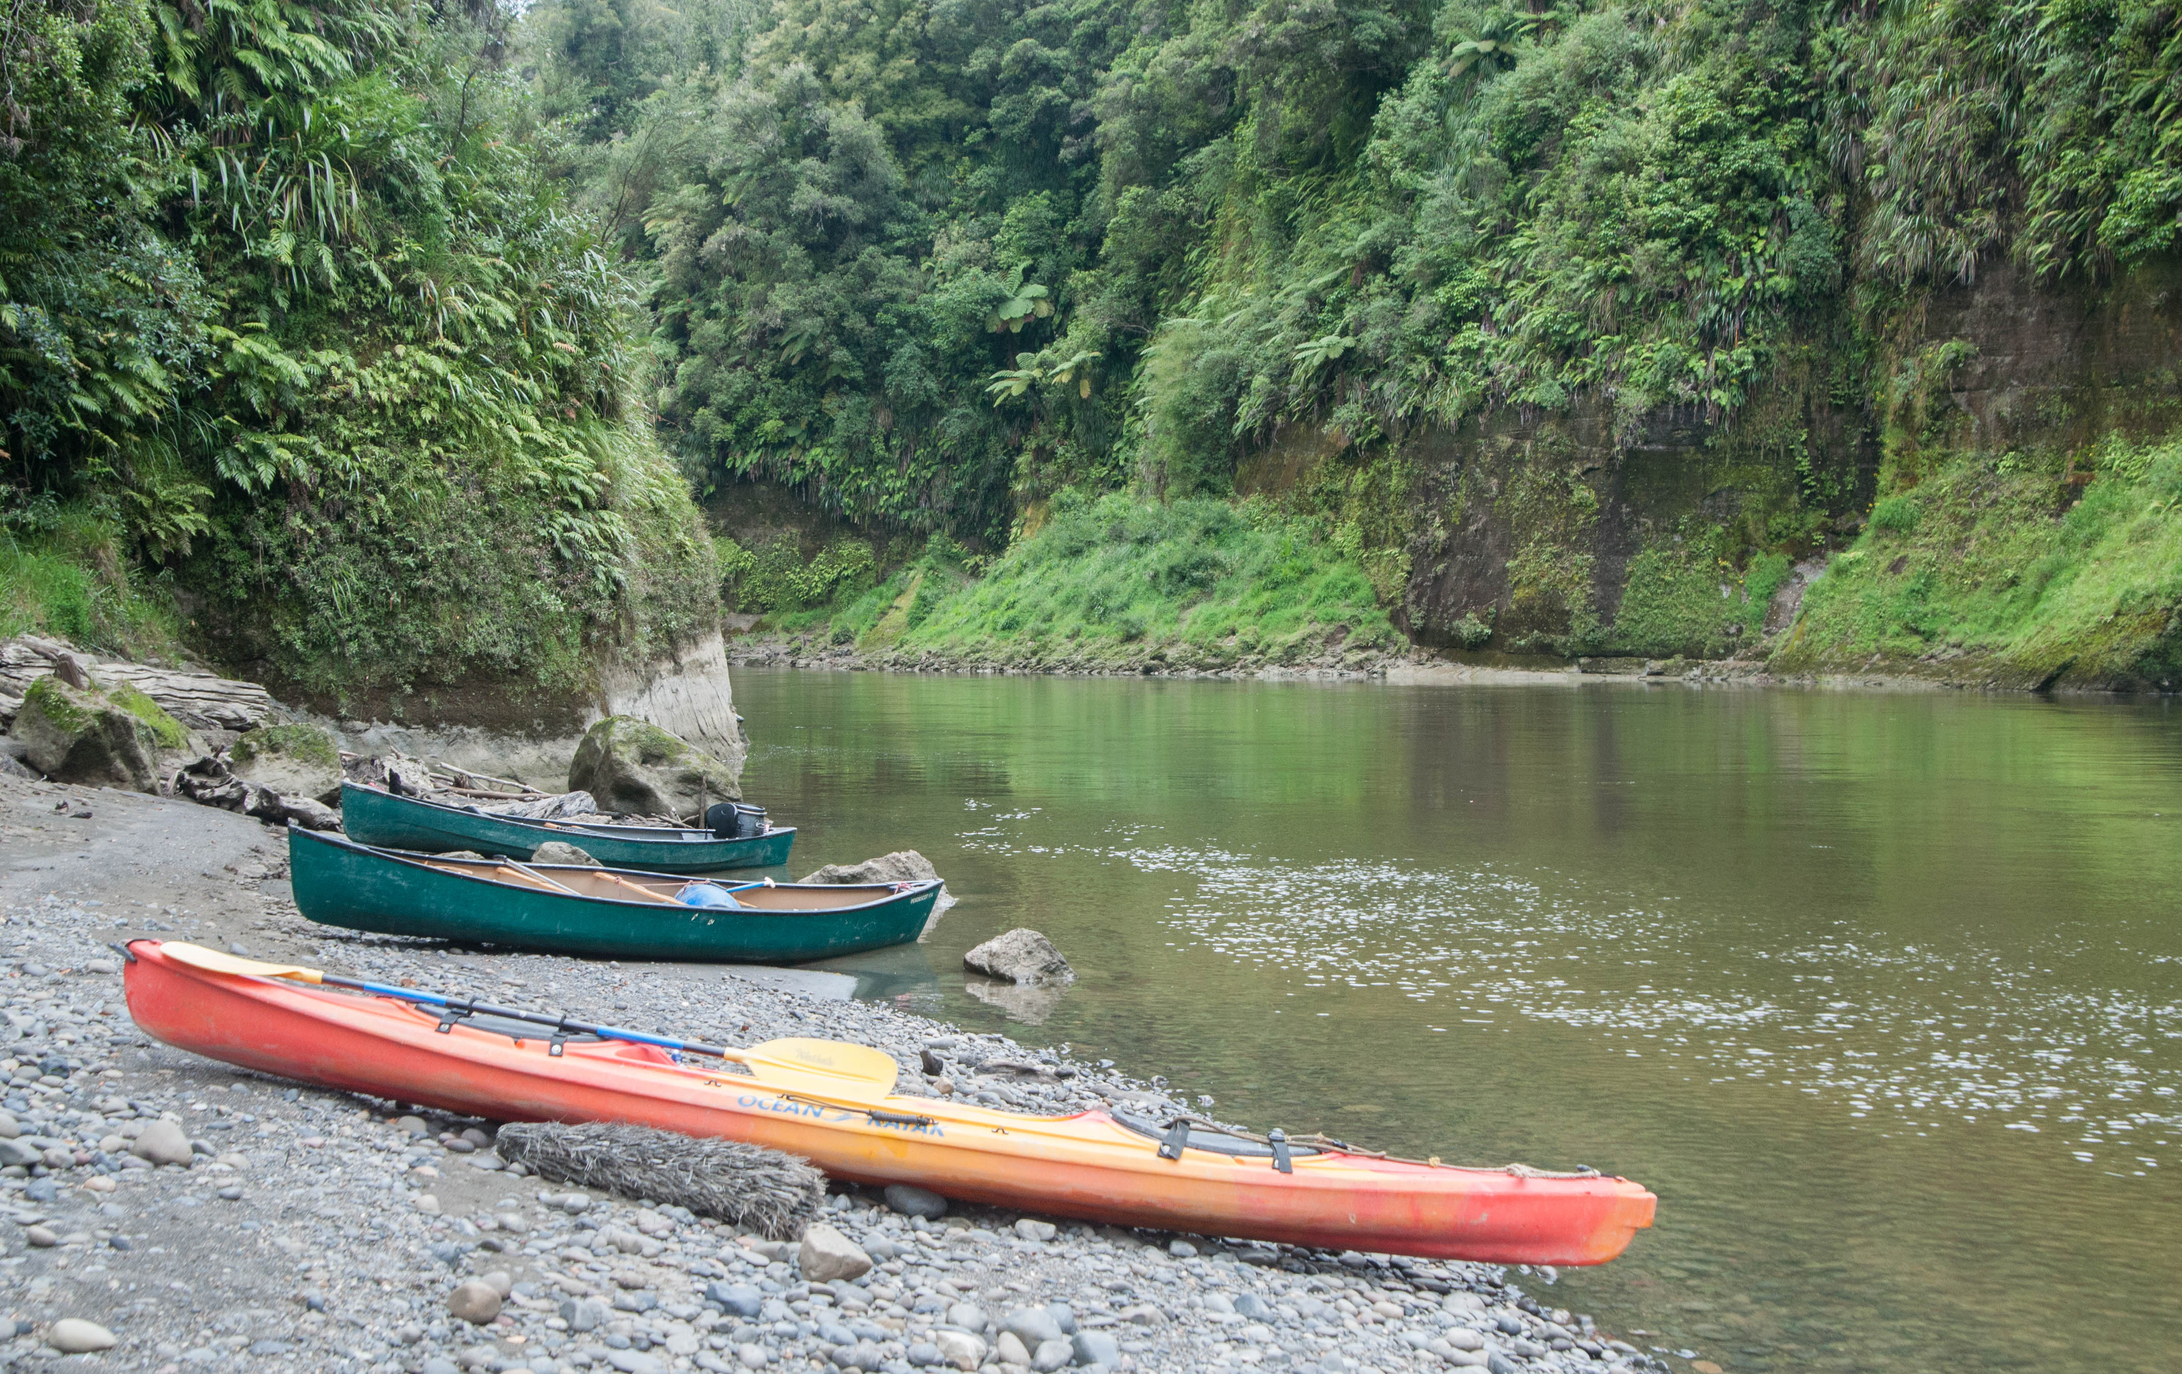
x=2003, y=443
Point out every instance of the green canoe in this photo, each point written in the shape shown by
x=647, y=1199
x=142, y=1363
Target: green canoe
x=570, y=909
x=372, y=817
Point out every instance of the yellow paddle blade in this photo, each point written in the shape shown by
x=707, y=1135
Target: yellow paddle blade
x=197, y=956
x=829, y=1068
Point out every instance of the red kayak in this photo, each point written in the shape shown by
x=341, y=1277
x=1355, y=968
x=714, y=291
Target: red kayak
x=833, y=1104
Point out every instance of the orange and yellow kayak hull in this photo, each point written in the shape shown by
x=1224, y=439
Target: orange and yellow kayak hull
x=1086, y=1165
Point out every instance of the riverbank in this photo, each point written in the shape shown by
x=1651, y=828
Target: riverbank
x=1996, y=573
x=316, y=1232
x=1416, y=668
x=818, y=651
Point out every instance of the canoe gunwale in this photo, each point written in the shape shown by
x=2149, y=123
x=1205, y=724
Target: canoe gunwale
x=432, y=863
x=340, y=882
x=421, y=825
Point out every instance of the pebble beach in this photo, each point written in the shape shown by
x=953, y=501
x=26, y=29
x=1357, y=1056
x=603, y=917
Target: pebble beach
x=161, y=1211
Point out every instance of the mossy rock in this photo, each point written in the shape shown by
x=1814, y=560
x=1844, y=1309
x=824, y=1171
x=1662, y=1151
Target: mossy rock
x=170, y=734
x=84, y=735
x=293, y=760
x=631, y=765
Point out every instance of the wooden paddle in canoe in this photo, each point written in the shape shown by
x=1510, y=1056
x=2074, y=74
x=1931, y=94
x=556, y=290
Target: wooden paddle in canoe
x=603, y=912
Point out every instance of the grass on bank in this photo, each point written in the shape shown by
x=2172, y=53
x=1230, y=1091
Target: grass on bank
x=1994, y=567
x=1112, y=582
x=65, y=573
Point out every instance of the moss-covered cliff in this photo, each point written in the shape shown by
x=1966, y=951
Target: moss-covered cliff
x=2011, y=432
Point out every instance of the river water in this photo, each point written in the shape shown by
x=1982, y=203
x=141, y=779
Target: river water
x=1879, y=993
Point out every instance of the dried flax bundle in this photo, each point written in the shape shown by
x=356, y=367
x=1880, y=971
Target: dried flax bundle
x=747, y=1186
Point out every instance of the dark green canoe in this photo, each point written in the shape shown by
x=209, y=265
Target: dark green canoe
x=372, y=817
x=608, y=913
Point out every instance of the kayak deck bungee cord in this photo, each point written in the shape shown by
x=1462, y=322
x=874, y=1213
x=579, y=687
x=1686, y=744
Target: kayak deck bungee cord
x=833, y=1103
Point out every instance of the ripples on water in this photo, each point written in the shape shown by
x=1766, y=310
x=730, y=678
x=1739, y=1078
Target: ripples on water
x=1878, y=993
x=1863, y=1031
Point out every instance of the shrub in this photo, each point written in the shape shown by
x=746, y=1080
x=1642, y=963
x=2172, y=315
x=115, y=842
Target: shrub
x=1895, y=514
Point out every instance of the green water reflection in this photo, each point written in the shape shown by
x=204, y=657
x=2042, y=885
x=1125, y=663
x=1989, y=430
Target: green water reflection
x=1879, y=993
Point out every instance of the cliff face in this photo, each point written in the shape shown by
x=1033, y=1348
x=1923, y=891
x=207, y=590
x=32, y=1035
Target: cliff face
x=1581, y=532
x=1553, y=534
x=2006, y=363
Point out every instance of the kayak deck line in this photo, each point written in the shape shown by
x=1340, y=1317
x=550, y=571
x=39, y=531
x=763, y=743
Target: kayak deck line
x=1315, y=1141
x=464, y=1008
x=1087, y=1164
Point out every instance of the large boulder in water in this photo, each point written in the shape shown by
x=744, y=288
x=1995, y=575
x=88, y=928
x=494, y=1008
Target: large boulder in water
x=901, y=866
x=634, y=766
x=100, y=738
x=1020, y=956
x=292, y=760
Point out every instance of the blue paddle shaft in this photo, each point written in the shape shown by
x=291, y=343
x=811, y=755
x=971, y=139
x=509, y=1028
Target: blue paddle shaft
x=431, y=999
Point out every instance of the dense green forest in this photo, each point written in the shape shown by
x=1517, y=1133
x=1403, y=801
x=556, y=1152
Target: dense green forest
x=302, y=283
x=934, y=260
x=306, y=360
x=930, y=263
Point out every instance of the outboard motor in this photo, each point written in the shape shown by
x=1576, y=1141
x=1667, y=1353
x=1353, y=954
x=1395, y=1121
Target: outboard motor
x=735, y=821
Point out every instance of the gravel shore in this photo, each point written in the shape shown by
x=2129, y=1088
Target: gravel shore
x=315, y=1230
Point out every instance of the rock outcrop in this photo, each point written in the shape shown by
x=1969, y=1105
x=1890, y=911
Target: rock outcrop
x=292, y=760
x=632, y=766
x=93, y=736
x=901, y=866
x=200, y=701
x=688, y=695
x=1020, y=956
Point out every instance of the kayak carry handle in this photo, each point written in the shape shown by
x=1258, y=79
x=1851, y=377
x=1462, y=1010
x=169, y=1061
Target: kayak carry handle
x=559, y=1042
x=1177, y=1139
x=1278, y=1139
